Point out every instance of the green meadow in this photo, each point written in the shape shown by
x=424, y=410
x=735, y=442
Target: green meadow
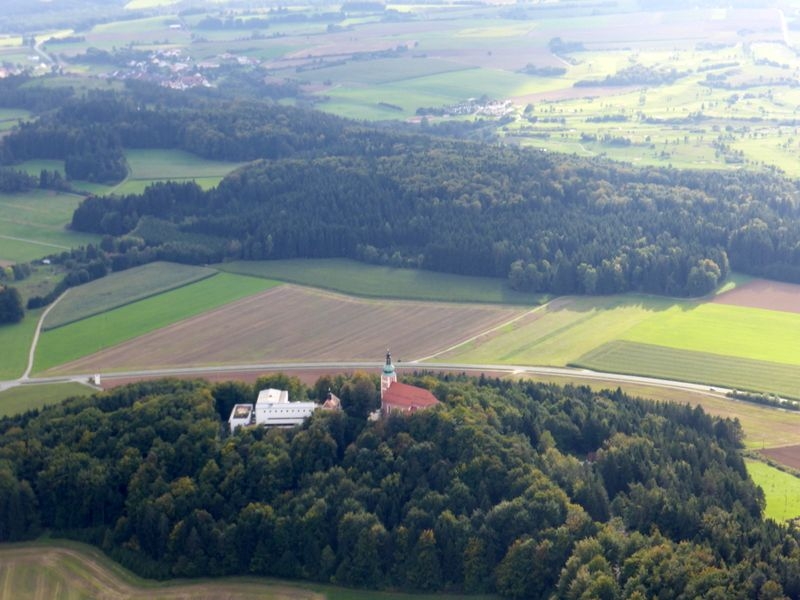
x=146, y=166
x=119, y=289
x=699, y=367
x=33, y=224
x=15, y=340
x=92, y=334
x=781, y=490
x=359, y=279
x=28, y=397
x=74, y=571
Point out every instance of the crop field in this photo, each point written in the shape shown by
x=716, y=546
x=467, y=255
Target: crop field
x=119, y=289
x=359, y=279
x=562, y=331
x=72, y=571
x=15, y=341
x=786, y=455
x=26, y=397
x=288, y=323
x=781, y=490
x=132, y=320
x=33, y=224
x=698, y=367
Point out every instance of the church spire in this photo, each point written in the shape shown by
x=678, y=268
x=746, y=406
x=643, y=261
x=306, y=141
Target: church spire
x=388, y=375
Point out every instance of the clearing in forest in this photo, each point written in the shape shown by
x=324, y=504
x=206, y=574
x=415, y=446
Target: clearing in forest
x=301, y=325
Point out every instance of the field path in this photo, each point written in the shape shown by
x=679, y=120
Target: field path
x=38, y=243
x=32, y=352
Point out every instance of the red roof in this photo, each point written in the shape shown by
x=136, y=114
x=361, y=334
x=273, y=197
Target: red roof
x=407, y=397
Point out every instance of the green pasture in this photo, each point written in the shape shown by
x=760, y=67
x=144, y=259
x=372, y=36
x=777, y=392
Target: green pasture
x=25, y=397
x=146, y=166
x=119, y=289
x=734, y=331
x=781, y=490
x=360, y=279
x=561, y=332
x=15, y=340
x=92, y=334
x=33, y=224
x=698, y=367
x=69, y=570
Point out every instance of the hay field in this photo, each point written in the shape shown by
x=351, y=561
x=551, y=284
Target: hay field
x=33, y=224
x=119, y=289
x=698, y=367
x=132, y=320
x=292, y=324
x=73, y=571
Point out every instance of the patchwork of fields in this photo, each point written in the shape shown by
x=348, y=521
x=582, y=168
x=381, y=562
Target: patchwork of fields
x=295, y=324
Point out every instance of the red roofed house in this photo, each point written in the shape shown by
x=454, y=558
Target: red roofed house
x=401, y=397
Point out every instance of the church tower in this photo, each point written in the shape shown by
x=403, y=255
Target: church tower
x=388, y=375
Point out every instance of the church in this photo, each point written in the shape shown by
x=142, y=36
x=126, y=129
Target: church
x=401, y=397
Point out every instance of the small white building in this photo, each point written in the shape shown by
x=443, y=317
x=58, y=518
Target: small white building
x=241, y=415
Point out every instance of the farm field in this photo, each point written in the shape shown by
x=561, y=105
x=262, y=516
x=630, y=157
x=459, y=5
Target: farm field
x=359, y=279
x=781, y=490
x=150, y=165
x=119, y=289
x=33, y=225
x=723, y=342
x=26, y=397
x=699, y=367
x=15, y=340
x=562, y=331
x=124, y=323
x=288, y=324
x=73, y=571
x=787, y=455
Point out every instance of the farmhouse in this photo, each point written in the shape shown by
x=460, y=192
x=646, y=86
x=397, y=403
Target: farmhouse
x=401, y=397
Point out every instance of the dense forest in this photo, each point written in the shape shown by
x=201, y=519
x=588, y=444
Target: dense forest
x=528, y=490
x=321, y=186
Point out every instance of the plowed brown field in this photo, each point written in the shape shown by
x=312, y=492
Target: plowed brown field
x=759, y=293
x=290, y=323
x=788, y=455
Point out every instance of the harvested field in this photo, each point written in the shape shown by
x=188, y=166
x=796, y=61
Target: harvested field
x=289, y=323
x=760, y=293
x=787, y=455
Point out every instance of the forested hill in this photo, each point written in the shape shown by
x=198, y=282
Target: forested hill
x=326, y=187
x=532, y=491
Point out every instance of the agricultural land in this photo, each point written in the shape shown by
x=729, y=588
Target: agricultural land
x=63, y=569
x=693, y=87
x=781, y=490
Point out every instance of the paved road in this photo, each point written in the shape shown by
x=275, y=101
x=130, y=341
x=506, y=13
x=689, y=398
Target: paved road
x=583, y=374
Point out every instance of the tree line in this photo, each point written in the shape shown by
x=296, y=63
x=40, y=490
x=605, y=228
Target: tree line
x=321, y=186
x=527, y=490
